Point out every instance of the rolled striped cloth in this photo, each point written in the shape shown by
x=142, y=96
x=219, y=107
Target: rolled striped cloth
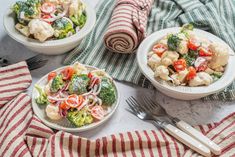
x=13, y=80
x=127, y=27
x=22, y=134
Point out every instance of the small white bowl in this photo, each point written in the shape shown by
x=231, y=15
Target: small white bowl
x=184, y=92
x=50, y=47
x=64, y=124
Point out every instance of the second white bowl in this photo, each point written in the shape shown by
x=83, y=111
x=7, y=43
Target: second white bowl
x=184, y=92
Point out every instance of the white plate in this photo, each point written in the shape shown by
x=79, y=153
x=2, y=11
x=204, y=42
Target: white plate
x=184, y=92
x=64, y=124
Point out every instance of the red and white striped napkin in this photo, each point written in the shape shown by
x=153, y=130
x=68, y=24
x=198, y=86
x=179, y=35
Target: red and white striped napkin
x=127, y=27
x=23, y=134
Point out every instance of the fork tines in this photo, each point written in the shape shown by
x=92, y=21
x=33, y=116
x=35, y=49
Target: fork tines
x=151, y=103
x=135, y=105
x=36, y=62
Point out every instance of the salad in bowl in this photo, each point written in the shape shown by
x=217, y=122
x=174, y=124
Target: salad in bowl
x=185, y=59
x=49, y=19
x=76, y=96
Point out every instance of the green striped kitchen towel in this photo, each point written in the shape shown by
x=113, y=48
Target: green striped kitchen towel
x=215, y=16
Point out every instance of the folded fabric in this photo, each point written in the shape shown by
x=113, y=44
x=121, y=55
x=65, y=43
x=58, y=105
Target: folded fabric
x=215, y=16
x=23, y=134
x=13, y=80
x=127, y=27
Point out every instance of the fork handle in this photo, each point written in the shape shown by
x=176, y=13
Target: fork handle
x=199, y=136
x=187, y=140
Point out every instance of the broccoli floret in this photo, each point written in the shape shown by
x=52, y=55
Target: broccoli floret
x=173, y=42
x=79, y=84
x=62, y=28
x=216, y=76
x=26, y=10
x=57, y=83
x=79, y=20
x=42, y=98
x=187, y=27
x=107, y=93
x=189, y=60
x=79, y=118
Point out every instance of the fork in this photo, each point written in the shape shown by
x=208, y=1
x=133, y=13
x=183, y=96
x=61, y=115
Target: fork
x=33, y=63
x=157, y=110
x=137, y=109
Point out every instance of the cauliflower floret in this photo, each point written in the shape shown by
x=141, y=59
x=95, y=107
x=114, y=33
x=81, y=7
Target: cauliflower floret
x=182, y=36
x=179, y=78
x=57, y=2
x=76, y=8
x=154, y=61
x=80, y=68
x=52, y=112
x=183, y=47
x=202, y=78
x=22, y=29
x=175, y=80
x=162, y=72
x=220, y=56
x=163, y=41
x=40, y=29
x=168, y=57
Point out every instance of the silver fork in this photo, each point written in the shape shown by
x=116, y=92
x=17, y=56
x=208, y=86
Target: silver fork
x=33, y=63
x=157, y=110
x=137, y=109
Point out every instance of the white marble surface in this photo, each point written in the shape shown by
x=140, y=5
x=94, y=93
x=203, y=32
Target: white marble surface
x=193, y=112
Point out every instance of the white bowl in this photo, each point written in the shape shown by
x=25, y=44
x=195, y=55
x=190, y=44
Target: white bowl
x=64, y=124
x=50, y=47
x=184, y=92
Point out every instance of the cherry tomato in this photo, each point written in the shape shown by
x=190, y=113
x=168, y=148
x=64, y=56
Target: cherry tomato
x=180, y=65
x=193, y=44
x=97, y=112
x=74, y=100
x=90, y=75
x=48, y=8
x=159, y=49
x=192, y=73
x=45, y=17
x=64, y=106
x=51, y=75
x=204, y=52
x=67, y=73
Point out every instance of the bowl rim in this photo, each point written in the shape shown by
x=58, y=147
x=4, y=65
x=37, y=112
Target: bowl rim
x=219, y=85
x=75, y=129
x=90, y=22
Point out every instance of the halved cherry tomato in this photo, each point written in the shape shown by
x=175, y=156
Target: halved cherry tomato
x=159, y=49
x=192, y=73
x=90, y=75
x=97, y=112
x=45, y=17
x=67, y=73
x=74, y=100
x=51, y=75
x=64, y=106
x=48, y=8
x=204, y=52
x=180, y=65
x=193, y=44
